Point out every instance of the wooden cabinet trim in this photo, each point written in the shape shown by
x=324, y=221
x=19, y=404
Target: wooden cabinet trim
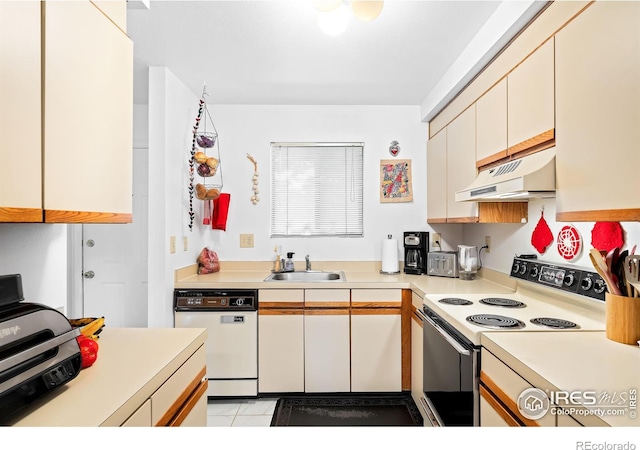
x=437, y=220
x=405, y=338
x=373, y=304
x=540, y=142
x=503, y=212
x=462, y=220
x=493, y=159
x=279, y=305
x=57, y=216
x=180, y=403
x=281, y=312
x=21, y=215
x=327, y=304
x=607, y=215
x=190, y=404
x=505, y=400
x=375, y=311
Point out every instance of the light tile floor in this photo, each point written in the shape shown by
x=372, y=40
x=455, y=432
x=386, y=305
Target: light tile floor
x=241, y=412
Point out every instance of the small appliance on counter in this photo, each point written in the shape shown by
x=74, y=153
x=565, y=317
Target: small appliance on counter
x=442, y=264
x=38, y=349
x=468, y=261
x=416, y=245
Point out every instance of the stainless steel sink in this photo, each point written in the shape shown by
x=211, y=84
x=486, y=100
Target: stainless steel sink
x=307, y=276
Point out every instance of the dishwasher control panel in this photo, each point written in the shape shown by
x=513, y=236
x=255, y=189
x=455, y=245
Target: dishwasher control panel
x=215, y=300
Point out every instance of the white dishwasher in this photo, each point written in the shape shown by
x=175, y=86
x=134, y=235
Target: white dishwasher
x=231, y=319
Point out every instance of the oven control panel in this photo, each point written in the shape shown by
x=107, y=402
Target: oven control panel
x=565, y=278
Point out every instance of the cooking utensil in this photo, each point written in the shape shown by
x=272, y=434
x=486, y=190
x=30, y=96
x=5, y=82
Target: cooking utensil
x=632, y=272
x=600, y=265
x=618, y=268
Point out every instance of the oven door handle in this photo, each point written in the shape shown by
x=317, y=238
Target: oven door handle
x=455, y=344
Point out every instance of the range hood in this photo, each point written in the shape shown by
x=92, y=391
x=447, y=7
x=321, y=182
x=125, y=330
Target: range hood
x=533, y=176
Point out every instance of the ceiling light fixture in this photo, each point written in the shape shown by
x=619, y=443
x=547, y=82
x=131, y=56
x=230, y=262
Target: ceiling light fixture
x=333, y=16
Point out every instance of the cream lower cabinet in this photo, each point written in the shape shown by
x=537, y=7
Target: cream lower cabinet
x=417, y=348
x=281, y=340
x=376, y=347
x=597, y=114
x=327, y=349
x=500, y=388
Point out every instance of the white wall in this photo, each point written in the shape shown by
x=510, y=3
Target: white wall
x=250, y=129
x=38, y=252
x=507, y=240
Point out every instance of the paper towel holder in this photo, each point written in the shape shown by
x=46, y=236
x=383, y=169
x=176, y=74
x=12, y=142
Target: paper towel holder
x=394, y=272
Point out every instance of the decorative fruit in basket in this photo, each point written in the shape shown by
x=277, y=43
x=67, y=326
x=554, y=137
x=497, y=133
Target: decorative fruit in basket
x=88, y=350
x=205, y=141
x=200, y=157
x=202, y=193
x=204, y=170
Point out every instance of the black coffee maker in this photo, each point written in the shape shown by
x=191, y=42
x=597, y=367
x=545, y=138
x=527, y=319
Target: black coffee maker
x=416, y=247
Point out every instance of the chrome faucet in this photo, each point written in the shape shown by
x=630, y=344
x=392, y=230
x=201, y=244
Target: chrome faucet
x=306, y=258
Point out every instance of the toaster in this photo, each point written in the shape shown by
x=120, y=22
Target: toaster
x=442, y=264
x=38, y=350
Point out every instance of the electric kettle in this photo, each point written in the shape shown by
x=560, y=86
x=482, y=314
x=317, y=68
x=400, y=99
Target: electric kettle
x=467, y=261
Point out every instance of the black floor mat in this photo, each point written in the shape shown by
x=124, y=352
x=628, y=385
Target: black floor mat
x=347, y=411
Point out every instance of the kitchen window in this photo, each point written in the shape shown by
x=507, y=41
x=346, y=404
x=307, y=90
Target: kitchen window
x=316, y=189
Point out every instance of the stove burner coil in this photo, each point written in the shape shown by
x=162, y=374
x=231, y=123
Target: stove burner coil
x=504, y=302
x=455, y=301
x=496, y=321
x=551, y=322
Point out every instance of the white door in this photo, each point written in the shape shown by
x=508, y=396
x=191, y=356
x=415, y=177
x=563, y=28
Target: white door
x=114, y=261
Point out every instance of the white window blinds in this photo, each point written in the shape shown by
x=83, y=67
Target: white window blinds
x=316, y=189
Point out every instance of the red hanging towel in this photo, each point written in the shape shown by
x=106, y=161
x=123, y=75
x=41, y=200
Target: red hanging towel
x=220, y=212
x=542, y=236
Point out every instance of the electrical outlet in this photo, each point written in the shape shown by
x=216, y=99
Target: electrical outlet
x=435, y=241
x=487, y=242
x=246, y=241
x=172, y=244
x=185, y=243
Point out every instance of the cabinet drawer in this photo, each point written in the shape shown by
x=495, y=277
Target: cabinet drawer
x=326, y=298
x=140, y=418
x=169, y=397
x=376, y=298
x=280, y=298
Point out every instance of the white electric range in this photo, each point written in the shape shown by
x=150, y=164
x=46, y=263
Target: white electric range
x=564, y=298
x=547, y=297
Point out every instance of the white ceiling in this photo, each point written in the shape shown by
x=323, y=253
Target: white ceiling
x=273, y=52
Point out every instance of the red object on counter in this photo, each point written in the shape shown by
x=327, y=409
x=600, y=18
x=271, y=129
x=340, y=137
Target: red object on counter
x=220, y=212
x=88, y=350
x=606, y=236
x=542, y=236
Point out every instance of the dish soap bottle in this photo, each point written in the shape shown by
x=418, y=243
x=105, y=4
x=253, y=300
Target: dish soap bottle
x=288, y=263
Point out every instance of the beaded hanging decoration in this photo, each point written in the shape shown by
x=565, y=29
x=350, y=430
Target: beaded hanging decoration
x=191, y=188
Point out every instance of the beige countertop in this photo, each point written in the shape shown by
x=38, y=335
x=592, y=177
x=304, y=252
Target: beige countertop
x=132, y=364
x=251, y=275
x=576, y=361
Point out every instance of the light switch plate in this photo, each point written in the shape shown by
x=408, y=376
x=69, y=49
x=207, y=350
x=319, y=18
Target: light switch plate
x=172, y=244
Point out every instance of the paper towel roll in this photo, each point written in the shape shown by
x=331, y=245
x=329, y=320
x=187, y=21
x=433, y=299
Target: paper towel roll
x=389, y=255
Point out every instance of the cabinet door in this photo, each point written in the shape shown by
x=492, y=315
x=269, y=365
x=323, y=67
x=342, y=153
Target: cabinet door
x=598, y=112
x=530, y=100
x=491, y=121
x=376, y=353
x=461, y=165
x=281, y=350
x=437, y=178
x=88, y=101
x=20, y=106
x=326, y=351
x=491, y=417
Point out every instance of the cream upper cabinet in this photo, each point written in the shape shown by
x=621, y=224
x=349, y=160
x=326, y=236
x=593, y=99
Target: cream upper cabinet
x=491, y=123
x=530, y=99
x=598, y=112
x=20, y=100
x=437, y=178
x=88, y=100
x=461, y=167
x=115, y=10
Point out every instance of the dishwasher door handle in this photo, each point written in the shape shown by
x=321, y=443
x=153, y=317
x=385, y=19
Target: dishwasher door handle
x=232, y=319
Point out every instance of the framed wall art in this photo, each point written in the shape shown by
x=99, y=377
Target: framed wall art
x=395, y=181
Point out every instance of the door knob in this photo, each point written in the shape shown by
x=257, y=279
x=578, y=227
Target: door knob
x=91, y=243
x=89, y=274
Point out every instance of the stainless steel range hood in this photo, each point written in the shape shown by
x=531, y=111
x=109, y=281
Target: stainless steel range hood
x=533, y=176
